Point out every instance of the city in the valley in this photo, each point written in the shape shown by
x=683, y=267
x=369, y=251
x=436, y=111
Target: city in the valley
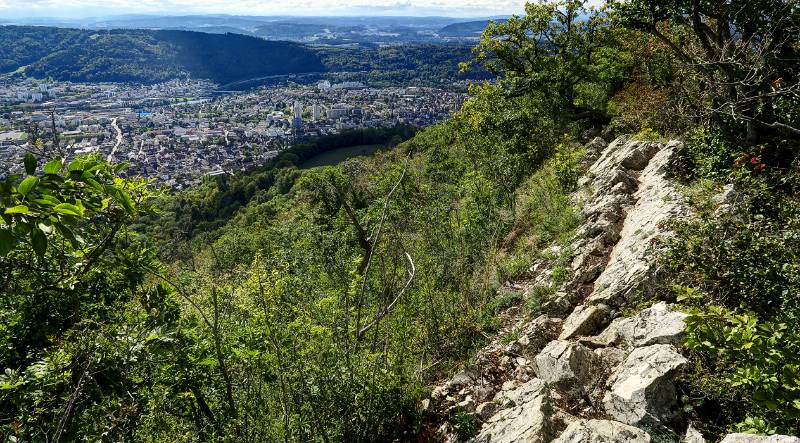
x=180, y=131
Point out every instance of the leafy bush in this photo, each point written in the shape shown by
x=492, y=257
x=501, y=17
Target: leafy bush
x=737, y=270
x=751, y=359
x=567, y=165
x=543, y=212
x=504, y=300
x=466, y=426
x=71, y=269
x=705, y=154
x=647, y=134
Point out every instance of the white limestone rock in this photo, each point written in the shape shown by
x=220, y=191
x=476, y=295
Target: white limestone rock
x=693, y=435
x=585, y=320
x=569, y=367
x=658, y=324
x=536, y=334
x=527, y=420
x=630, y=266
x=601, y=431
x=641, y=390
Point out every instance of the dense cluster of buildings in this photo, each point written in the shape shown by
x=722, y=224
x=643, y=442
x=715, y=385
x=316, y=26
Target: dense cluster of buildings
x=179, y=131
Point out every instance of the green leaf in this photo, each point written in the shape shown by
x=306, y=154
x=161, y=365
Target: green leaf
x=30, y=163
x=53, y=167
x=69, y=235
x=89, y=164
x=45, y=228
x=93, y=183
x=7, y=386
x=19, y=209
x=44, y=202
x=28, y=185
x=207, y=362
x=51, y=199
x=7, y=242
x=39, y=242
x=121, y=198
x=77, y=165
x=68, y=209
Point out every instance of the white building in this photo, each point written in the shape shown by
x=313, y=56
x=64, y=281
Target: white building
x=316, y=112
x=335, y=113
x=297, y=115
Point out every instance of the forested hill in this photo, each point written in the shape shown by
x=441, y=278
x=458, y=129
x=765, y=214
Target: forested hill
x=151, y=56
x=148, y=56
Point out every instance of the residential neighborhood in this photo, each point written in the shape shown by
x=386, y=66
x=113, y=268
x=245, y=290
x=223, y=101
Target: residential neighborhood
x=179, y=131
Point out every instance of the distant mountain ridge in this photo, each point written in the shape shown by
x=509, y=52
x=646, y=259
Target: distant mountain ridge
x=148, y=56
x=151, y=56
x=466, y=29
x=364, y=30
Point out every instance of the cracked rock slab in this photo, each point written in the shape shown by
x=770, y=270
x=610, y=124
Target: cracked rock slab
x=693, y=435
x=630, y=269
x=585, y=320
x=536, y=335
x=602, y=431
x=569, y=367
x=527, y=419
x=641, y=390
x=658, y=324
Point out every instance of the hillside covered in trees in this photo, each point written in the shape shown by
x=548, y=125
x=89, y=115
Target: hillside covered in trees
x=149, y=56
x=325, y=304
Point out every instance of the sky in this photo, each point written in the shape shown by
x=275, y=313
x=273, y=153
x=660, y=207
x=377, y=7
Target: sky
x=94, y=8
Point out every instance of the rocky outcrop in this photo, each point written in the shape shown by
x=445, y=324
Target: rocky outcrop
x=585, y=320
x=659, y=324
x=602, y=431
x=630, y=267
x=569, y=367
x=527, y=416
x=581, y=372
x=692, y=435
x=641, y=391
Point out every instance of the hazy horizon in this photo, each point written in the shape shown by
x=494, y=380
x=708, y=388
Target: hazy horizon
x=92, y=9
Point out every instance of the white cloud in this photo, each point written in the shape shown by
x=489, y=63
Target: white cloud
x=259, y=7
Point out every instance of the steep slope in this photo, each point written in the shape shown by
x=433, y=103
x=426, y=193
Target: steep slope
x=584, y=371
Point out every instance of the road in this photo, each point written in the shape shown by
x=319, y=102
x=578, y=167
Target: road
x=119, y=139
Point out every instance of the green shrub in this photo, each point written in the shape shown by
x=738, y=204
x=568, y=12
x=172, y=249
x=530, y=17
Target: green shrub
x=504, y=300
x=543, y=212
x=705, y=154
x=647, y=134
x=537, y=295
x=738, y=276
x=466, y=426
x=567, y=166
x=756, y=358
